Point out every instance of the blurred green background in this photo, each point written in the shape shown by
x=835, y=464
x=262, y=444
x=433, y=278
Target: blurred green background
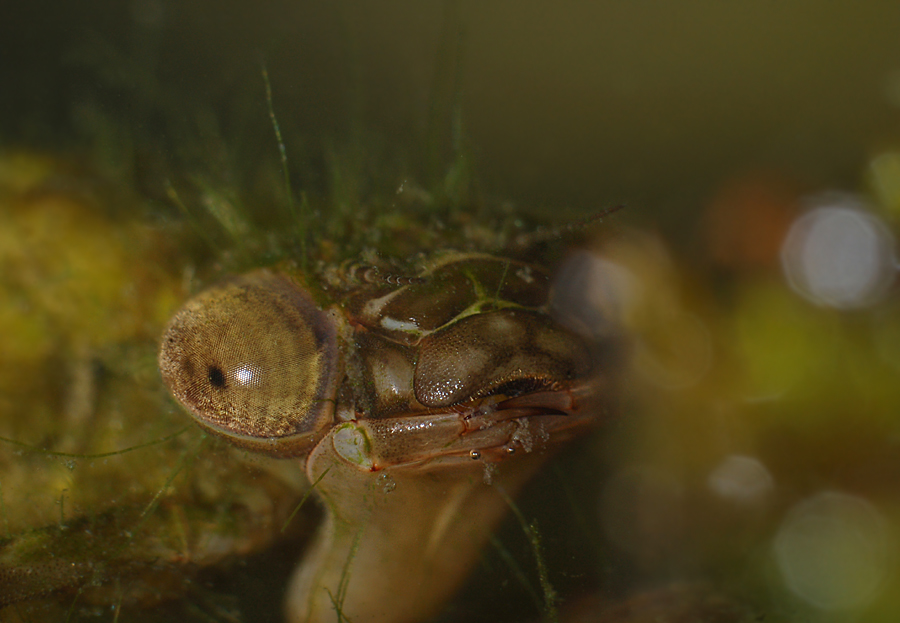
x=758, y=448
x=564, y=104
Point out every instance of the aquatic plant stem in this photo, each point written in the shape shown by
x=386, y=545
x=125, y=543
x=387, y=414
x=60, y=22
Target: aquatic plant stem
x=298, y=218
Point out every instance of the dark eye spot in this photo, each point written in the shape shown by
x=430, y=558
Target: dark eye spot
x=255, y=360
x=216, y=376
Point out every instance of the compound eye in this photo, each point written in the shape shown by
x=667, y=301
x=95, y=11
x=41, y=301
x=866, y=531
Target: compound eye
x=253, y=359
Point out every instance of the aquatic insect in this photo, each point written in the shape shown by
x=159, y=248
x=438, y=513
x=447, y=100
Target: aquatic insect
x=418, y=405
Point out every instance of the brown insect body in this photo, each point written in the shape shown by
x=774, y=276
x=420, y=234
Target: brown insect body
x=411, y=402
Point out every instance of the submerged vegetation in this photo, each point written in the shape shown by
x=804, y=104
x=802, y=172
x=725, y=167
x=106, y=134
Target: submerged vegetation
x=753, y=473
x=109, y=505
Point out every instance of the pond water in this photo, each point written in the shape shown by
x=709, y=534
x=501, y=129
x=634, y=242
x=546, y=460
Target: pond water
x=749, y=468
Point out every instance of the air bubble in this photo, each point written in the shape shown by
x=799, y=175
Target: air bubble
x=387, y=482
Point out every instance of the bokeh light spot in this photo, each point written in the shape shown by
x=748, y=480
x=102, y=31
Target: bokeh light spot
x=833, y=551
x=742, y=479
x=839, y=255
